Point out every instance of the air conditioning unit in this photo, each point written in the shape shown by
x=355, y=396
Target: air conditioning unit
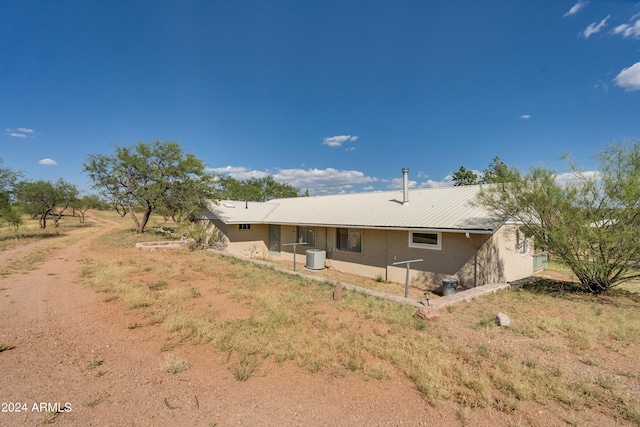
x=315, y=259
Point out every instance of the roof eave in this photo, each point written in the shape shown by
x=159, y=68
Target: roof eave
x=378, y=227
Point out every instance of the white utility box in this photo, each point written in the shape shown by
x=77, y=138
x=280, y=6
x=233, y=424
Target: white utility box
x=315, y=259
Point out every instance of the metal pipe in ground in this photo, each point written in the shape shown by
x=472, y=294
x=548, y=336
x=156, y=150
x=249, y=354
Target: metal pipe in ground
x=295, y=245
x=406, y=284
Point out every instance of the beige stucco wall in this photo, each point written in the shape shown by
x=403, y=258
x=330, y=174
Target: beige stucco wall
x=512, y=264
x=498, y=258
x=381, y=248
x=251, y=243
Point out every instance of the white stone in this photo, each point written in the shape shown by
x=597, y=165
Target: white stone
x=503, y=320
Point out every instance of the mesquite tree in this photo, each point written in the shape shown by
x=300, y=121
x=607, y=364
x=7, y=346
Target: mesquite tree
x=254, y=189
x=150, y=176
x=591, y=221
x=8, y=212
x=86, y=202
x=43, y=198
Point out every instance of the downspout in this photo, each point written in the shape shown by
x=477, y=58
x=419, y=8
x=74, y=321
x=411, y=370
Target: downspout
x=326, y=242
x=475, y=259
x=386, y=256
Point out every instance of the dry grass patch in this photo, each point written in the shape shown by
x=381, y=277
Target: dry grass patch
x=111, y=276
x=94, y=362
x=245, y=367
x=34, y=257
x=558, y=352
x=5, y=347
x=127, y=237
x=93, y=401
x=49, y=418
x=159, y=285
x=184, y=327
x=175, y=364
x=10, y=239
x=31, y=232
x=134, y=325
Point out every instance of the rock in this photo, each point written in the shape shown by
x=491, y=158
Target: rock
x=503, y=320
x=337, y=292
x=427, y=314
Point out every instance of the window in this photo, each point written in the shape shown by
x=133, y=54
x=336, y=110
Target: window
x=307, y=235
x=522, y=243
x=349, y=239
x=425, y=240
x=244, y=226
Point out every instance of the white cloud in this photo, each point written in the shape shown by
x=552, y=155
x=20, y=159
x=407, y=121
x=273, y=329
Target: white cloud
x=628, y=30
x=576, y=8
x=567, y=177
x=19, y=132
x=48, y=162
x=602, y=85
x=525, y=116
x=397, y=184
x=338, y=140
x=228, y=169
x=238, y=172
x=594, y=28
x=332, y=181
x=447, y=182
x=323, y=181
x=350, y=149
x=317, y=181
x=629, y=78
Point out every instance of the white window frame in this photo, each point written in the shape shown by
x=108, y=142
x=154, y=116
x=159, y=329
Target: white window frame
x=523, y=244
x=436, y=247
x=244, y=227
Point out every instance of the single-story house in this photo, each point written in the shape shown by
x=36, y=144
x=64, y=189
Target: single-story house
x=366, y=233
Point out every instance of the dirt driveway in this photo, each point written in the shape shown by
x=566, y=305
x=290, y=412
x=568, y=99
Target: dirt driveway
x=75, y=363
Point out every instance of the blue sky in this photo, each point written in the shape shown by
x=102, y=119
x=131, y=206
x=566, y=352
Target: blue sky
x=333, y=96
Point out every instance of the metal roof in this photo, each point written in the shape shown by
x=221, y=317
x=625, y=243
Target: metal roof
x=239, y=212
x=446, y=208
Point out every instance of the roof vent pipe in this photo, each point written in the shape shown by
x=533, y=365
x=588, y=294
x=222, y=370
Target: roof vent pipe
x=405, y=185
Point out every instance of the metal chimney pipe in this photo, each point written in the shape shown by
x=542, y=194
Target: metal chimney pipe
x=405, y=185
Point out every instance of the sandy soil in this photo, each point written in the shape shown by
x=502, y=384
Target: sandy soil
x=57, y=325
